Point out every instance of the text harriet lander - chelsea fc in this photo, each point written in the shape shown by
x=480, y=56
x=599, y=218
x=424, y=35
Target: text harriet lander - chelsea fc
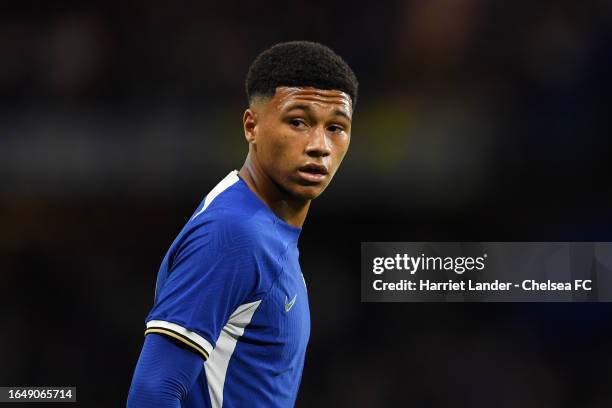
x=470, y=285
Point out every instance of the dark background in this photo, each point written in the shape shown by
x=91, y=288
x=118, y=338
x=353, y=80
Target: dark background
x=477, y=121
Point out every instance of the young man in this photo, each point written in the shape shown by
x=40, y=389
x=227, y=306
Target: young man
x=231, y=322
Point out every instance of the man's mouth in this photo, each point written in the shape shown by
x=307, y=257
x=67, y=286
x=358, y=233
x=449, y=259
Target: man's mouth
x=313, y=172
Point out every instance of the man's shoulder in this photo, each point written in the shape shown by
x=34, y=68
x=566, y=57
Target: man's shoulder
x=232, y=225
x=232, y=216
x=229, y=214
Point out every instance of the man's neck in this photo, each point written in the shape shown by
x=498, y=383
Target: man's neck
x=290, y=210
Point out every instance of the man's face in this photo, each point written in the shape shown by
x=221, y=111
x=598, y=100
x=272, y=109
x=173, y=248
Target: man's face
x=300, y=136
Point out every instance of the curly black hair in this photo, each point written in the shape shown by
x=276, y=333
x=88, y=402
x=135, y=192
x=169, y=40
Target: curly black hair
x=299, y=63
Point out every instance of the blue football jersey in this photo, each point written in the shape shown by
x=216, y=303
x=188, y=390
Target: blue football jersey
x=230, y=288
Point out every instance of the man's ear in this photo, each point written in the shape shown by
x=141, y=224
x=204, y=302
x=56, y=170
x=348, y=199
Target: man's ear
x=249, y=123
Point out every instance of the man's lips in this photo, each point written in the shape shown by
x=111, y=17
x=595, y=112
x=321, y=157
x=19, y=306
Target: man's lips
x=313, y=172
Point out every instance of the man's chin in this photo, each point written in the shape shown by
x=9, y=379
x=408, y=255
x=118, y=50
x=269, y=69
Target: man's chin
x=307, y=193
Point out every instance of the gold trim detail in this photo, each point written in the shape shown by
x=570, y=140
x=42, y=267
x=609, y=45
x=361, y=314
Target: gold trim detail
x=178, y=337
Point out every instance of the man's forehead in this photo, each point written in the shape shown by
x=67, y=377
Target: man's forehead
x=286, y=96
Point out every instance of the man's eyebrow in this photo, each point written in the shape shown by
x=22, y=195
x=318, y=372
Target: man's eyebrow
x=299, y=106
x=308, y=109
x=342, y=113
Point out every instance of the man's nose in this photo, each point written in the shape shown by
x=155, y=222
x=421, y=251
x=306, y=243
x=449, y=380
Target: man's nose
x=318, y=144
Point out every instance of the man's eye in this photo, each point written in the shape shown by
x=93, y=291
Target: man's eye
x=335, y=129
x=296, y=122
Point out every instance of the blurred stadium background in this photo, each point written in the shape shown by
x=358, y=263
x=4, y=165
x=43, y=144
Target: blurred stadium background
x=477, y=120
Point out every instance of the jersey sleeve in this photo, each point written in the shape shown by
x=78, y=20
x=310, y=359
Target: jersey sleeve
x=164, y=374
x=213, y=272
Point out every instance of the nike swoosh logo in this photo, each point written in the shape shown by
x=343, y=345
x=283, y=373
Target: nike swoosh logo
x=289, y=305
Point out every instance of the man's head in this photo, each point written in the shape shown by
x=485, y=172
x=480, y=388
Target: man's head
x=301, y=100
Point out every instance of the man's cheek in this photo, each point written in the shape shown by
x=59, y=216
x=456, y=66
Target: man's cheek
x=338, y=160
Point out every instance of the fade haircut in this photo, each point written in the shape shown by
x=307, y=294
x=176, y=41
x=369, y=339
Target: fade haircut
x=299, y=64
